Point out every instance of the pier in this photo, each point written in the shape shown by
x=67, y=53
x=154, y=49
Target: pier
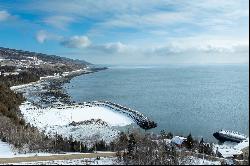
x=138, y=117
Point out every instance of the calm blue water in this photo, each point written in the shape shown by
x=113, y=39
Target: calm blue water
x=181, y=99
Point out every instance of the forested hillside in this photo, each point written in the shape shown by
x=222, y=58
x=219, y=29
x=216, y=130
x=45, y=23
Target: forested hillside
x=22, y=67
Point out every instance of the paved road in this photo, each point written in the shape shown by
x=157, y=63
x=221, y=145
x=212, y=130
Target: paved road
x=56, y=157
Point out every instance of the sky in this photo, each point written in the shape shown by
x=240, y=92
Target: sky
x=131, y=31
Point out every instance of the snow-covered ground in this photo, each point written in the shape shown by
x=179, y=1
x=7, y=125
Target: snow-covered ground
x=86, y=161
x=8, y=151
x=54, y=117
x=94, y=123
x=228, y=149
x=67, y=114
x=5, y=149
x=199, y=161
x=23, y=85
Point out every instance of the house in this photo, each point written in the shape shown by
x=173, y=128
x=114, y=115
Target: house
x=177, y=140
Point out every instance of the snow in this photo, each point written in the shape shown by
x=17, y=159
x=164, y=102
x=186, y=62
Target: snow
x=178, y=140
x=94, y=122
x=55, y=76
x=229, y=152
x=85, y=133
x=67, y=114
x=242, y=144
x=233, y=134
x=229, y=149
x=8, y=151
x=55, y=117
x=198, y=161
x=23, y=85
x=84, y=161
x=5, y=149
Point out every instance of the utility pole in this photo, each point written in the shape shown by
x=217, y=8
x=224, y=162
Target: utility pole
x=95, y=147
x=203, y=151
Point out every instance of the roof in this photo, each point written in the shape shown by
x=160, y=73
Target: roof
x=178, y=140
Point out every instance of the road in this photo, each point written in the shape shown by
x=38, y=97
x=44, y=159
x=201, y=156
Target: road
x=56, y=157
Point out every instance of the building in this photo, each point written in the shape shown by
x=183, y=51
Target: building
x=177, y=140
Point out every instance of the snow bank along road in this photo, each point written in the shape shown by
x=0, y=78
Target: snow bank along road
x=56, y=157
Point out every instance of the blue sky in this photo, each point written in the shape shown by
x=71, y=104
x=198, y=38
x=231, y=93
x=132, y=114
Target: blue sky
x=129, y=32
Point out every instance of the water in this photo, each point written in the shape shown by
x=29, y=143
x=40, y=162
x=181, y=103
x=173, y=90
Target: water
x=182, y=99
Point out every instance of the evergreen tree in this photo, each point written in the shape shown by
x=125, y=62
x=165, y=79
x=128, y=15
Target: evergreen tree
x=163, y=134
x=131, y=144
x=202, y=141
x=190, y=141
x=169, y=135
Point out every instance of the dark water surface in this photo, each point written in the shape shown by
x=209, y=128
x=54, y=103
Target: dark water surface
x=200, y=99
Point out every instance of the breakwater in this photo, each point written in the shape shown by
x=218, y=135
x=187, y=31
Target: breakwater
x=140, y=119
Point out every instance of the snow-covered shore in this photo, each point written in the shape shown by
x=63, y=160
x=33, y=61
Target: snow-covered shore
x=82, y=122
x=66, y=114
x=87, y=123
x=55, y=76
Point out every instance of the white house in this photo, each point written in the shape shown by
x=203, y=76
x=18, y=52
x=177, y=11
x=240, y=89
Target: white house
x=177, y=140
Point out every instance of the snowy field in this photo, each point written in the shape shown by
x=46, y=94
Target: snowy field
x=67, y=114
x=92, y=122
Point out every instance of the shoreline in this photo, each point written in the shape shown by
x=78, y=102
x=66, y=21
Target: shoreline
x=47, y=96
x=55, y=86
x=56, y=90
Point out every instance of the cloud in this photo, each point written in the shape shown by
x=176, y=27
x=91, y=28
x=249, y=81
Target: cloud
x=186, y=50
x=71, y=42
x=208, y=46
x=4, y=15
x=76, y=42
x=59, y=21
x=153, y=28
x=115, y=47
x=43, y=36
x=148, y=20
